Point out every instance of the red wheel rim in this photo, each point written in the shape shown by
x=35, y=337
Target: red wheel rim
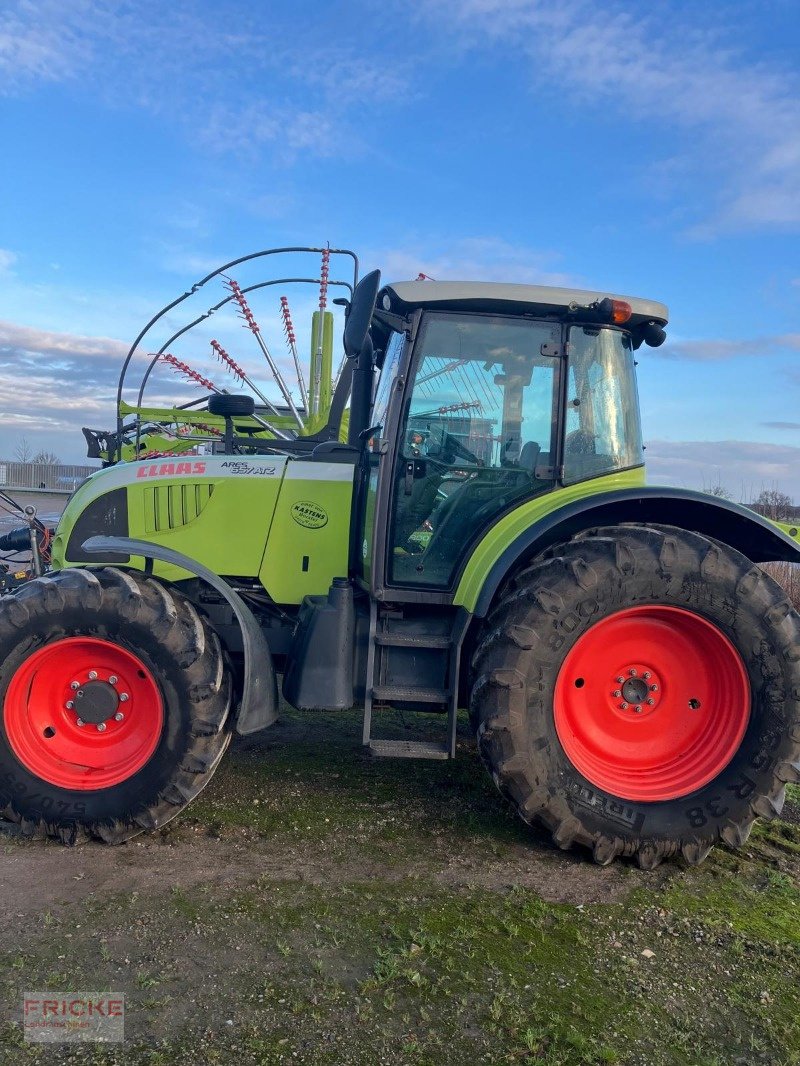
x=121, y=705
x=652, y=703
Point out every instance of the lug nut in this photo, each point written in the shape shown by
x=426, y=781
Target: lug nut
x=113, y=679
x=118, y=716
x=620, y=680
x=650, y=700
x=70, y=705
x=632, y=672
x=623, y=706
x=616, y=692
x=654, y=688
x=646, y=675
x=74, y=685
x=101, y=727
x=79, y=721
x=123, y=696
x=92, y=675
x=638, y=709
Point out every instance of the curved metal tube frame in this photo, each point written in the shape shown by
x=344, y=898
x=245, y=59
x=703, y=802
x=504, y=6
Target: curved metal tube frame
x=197, y=286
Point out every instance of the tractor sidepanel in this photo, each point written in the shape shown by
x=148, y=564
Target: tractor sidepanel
x=309, y=539
x=214, y=509
x=532, y=528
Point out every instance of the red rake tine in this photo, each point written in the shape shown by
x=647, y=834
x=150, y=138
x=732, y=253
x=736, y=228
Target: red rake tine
x=291, y=341
x=193, y=375
x=324, y=273
x=233, y=367
x=254, y=328
x=183, y=368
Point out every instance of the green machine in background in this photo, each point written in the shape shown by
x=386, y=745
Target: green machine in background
x=149, y=430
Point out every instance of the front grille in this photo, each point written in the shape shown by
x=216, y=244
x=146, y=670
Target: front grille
x=172, y=506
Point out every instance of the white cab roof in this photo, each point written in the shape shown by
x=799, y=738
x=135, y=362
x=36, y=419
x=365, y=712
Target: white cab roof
x=491, y=295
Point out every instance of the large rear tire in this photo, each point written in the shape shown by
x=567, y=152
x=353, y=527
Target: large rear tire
x=115, y=695
x=637, y=691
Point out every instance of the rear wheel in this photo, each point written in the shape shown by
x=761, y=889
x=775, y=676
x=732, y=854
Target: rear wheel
x=637, y=691
x=115, y=697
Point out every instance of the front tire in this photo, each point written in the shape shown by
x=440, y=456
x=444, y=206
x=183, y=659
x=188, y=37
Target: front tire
x=586, y=745
x=115, y=696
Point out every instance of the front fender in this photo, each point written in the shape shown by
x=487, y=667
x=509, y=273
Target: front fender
x=518, y=537
x=259, y=704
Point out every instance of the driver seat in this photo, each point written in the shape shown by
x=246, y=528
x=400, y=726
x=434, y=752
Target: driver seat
x=529, y=456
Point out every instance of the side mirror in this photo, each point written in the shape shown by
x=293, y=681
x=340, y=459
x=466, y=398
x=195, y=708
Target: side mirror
x=654, y=334
x=362, y=305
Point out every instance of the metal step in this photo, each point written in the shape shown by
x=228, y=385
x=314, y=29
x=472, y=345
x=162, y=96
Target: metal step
x=409, y=694
x=409, y=749
x=412, y=640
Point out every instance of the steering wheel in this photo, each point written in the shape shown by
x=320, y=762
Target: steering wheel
x=449, y=449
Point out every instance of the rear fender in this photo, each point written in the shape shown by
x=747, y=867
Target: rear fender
x=259, y=704
x=755, y=537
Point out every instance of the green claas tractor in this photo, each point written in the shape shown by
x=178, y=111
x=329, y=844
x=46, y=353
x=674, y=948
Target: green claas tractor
x=482, y=538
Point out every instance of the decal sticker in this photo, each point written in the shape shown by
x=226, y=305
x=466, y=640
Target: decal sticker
x=170, y=469
x=239, y=468
x=309, y=514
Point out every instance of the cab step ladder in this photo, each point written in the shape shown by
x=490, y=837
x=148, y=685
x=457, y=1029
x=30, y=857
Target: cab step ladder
x=445, y=698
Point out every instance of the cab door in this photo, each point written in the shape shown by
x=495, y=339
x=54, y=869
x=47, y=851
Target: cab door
x=476, y=435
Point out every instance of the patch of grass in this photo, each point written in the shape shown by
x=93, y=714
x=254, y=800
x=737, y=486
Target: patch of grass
x=326, y=789
x=747, y=899
x=410, y=971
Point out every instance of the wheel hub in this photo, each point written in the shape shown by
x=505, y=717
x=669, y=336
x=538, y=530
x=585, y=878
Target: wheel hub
x=635, y=688
x=96, y=702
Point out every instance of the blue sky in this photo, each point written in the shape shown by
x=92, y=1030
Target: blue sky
x=635, y=148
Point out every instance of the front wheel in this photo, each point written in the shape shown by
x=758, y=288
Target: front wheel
x=637, y=691
x=115, y=695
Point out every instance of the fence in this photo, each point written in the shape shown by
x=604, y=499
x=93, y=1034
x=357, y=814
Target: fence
x=44, y=477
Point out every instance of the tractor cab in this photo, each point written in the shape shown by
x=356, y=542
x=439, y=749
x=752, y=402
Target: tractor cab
x=490, y=395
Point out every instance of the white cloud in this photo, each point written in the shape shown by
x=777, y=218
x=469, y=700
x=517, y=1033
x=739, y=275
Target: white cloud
x=7, y=261
x=743, y=467
x=35, y=47
x=43, y=343
x=742, y=117
x=243, y=128
x=217, y=69
x=351, y=78
x=471, y=259
x=712, y=351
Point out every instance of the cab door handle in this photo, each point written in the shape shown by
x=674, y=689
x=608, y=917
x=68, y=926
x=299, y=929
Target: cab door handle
x=409, y=477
